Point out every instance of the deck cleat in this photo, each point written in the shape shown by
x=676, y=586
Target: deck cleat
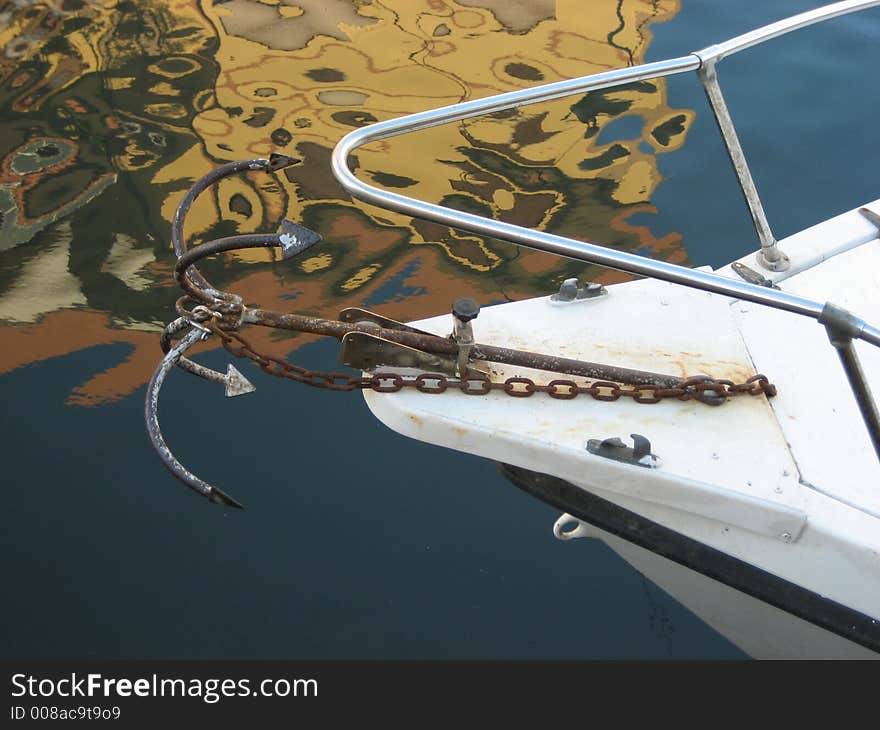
x=569, y=292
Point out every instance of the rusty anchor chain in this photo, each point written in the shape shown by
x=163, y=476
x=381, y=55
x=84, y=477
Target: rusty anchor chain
x=479, y=384
x=442, y=364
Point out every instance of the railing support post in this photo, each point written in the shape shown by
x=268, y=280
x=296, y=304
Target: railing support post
x=770, y=256
x=842, y=327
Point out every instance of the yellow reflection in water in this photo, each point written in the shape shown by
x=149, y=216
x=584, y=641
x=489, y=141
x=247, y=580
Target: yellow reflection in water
x=145, y=97
x=386, y=59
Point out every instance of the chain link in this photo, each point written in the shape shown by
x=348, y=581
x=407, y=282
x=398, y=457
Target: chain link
x=517, y=387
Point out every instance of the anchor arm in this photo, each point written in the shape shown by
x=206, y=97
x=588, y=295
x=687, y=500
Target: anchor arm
x=293, y=239
x=187, y=275
x=151, y=415
x=184, y=363
x=233, y=382
x=274, y=163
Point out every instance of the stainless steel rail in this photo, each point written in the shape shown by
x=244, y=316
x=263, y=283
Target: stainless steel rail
x=581, y=250
x=770, y=257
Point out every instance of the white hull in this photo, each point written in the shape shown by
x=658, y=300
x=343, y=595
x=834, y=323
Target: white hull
x=760, y=630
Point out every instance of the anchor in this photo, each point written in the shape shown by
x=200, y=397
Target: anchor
x=396, y=355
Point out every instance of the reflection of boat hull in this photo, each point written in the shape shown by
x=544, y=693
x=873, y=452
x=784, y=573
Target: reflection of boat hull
x=774, y=496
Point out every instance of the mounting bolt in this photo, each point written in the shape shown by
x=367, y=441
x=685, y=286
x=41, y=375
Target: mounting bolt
x=785, y=537
x=464, y=309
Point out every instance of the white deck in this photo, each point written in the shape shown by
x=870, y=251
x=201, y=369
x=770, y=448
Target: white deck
x=647, y=325
x=812, y=430
x=815, y=406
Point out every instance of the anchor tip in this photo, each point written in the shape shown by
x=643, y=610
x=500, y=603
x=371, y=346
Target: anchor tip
x=278, y=161
x=295, y=238
x=236, y=383
x=219, y=497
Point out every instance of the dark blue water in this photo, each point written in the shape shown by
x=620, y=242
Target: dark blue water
x=355, y=543
x=358, y=543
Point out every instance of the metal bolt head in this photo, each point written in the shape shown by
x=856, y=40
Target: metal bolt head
x=786, y=537
x=464, y=309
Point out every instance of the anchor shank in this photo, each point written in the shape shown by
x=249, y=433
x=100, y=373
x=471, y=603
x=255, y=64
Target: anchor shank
x=444, y=346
